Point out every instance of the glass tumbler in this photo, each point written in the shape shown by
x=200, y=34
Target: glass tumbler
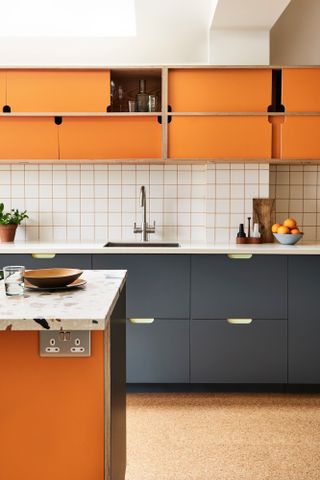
x=132, y=104
x=152, y=103
x=13, y=277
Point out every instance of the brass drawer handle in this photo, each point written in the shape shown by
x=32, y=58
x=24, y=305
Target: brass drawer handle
x=141, y=320
x=43, y=255
x=240, y=256
x=239, y=321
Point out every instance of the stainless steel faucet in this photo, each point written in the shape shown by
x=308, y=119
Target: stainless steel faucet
x=145, y=229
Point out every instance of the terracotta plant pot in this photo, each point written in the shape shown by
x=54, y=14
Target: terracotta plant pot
x=7, y=233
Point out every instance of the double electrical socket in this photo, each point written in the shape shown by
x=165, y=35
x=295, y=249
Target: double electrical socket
x=65, y=343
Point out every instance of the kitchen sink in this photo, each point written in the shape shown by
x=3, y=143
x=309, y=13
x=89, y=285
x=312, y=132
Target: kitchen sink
x=142, y=244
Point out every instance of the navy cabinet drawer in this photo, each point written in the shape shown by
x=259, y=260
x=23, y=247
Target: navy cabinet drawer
x=158, y=352
x=304, y=319
x=157, y=285
x=222, y=287
x=82, y=261
x=230, y=353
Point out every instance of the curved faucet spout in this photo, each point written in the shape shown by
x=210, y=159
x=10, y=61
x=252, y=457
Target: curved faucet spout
x=142, y=196
x=145, y=229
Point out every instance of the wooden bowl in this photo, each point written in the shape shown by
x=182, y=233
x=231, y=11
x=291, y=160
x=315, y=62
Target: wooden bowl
x=52, y=277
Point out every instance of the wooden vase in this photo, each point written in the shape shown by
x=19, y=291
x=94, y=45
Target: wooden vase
x=7, y=233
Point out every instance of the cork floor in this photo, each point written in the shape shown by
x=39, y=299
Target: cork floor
x=223, y=437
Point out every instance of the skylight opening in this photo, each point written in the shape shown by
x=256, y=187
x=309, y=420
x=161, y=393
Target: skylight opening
x=68, y=18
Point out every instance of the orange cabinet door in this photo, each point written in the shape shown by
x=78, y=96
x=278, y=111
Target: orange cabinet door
x=300, y=138
x=220, y=90
x=110, y=138
x=238, y=137
x=301, y=89
x=29, y=138
x=2, y=89
x=58, y=90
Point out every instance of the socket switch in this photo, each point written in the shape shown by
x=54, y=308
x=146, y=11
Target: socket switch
x=65, y=343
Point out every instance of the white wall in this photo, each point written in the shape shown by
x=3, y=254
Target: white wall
x=239, y=47
x=295, y=38
x=168, y=32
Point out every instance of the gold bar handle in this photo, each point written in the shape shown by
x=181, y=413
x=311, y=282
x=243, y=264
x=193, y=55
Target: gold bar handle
x=144, y=321
x=240, y=256
x=43, y=255
x=239, y=321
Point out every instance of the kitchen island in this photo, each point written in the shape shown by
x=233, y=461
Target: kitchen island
x=62, y=370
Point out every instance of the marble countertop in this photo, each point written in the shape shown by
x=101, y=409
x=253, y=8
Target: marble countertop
x=86, y=308
x=38, y=248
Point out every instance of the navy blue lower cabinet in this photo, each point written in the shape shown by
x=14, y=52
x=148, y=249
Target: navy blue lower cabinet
x=223, y=352
x=304, y=319
x=253, y=287
x=82, y=261
x=158, y=286
x=157, y=351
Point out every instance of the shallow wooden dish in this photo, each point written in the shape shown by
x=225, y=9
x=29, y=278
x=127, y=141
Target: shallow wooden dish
x=52, y=277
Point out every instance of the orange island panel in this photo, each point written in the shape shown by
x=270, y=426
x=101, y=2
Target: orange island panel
x=52, y=412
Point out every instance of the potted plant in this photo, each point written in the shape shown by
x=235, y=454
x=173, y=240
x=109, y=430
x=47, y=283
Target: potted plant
x=9, y=222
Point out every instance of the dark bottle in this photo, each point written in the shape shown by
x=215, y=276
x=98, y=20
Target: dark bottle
x=241, y=233
x=142, y=97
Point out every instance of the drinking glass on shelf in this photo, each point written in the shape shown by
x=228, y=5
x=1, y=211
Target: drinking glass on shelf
x=13, y=277
x=132, y=104
x=152, y=103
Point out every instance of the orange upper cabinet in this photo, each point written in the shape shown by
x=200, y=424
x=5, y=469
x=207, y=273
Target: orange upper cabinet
x=301, y=89
x=220, y=90
x=2, y=88
x=220, y=137
x=110, y=138
x=300, y=138
x=58, y=90
x=29, y=138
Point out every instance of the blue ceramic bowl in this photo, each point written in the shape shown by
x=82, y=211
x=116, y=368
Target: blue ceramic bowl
x=288, y=238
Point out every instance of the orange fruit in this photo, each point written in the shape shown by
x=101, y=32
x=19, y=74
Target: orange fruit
x=290, y=223
x=295, y=231
x=275, y=227
x=283, y=229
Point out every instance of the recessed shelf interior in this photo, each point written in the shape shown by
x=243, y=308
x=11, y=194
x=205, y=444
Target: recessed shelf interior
x=128, y=79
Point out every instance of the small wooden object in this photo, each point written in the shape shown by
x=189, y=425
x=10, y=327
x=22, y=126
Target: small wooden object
x=264, y=213
x=247, y=240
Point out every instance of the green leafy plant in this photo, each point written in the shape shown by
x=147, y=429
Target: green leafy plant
x=14, y=217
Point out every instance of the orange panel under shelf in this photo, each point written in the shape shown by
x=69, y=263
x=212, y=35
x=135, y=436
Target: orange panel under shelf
x=110, y=138
x=2, y=88
x=220, y=137
x=220, y=90
x=301, y=138
x=31, y=138
x=56, y=405
x=58, y=90
x=301, y=89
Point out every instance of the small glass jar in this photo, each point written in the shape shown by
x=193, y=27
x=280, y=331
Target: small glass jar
x=13, y=277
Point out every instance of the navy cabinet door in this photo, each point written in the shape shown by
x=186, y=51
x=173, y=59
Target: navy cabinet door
x=158, y=286
x=60, y=260
x=158, y=352
x=304, y=318
x=226, y=353
x=222, y=287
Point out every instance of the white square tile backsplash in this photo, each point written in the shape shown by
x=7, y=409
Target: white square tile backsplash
x=97, y=202
x=296, y=189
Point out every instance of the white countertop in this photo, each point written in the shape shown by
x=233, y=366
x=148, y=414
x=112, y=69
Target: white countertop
x=303, y=248
x=86, y=308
